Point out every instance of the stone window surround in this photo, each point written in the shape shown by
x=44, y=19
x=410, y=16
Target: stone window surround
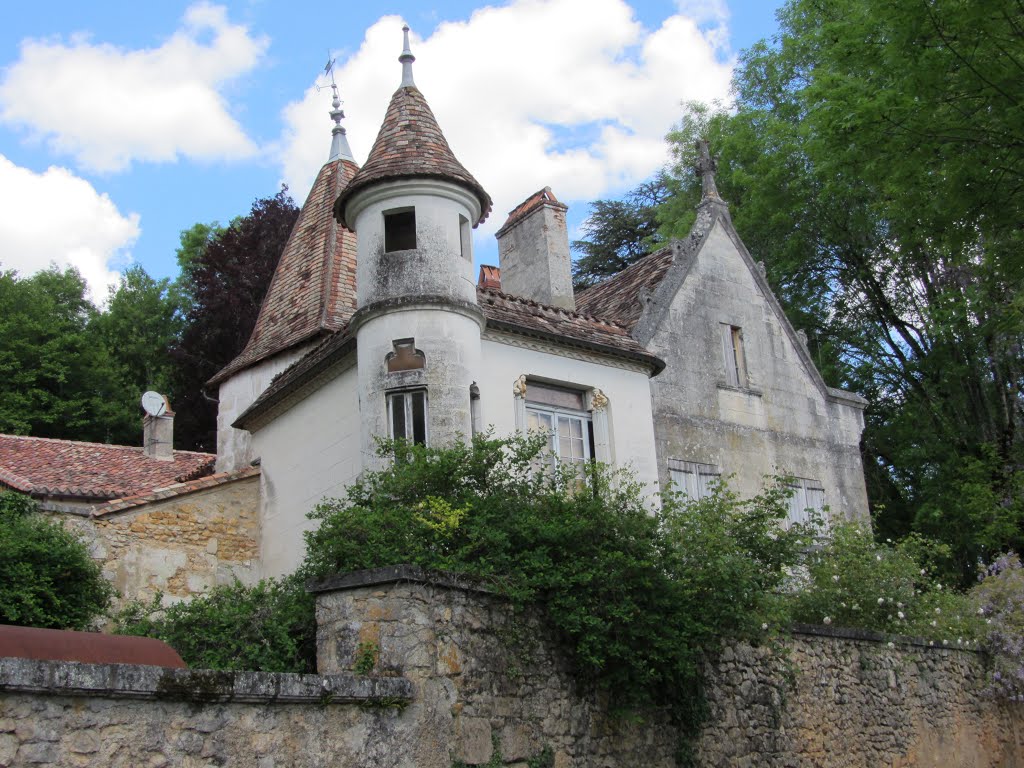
x=596, y=405
x=702, y=476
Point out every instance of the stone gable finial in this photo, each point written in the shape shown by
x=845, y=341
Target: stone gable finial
x=706, y=168
x=407, y=59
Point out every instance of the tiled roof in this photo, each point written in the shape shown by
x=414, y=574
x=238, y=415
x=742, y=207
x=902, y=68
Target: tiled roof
x=40, y=465
x=314, y=286
x=504, y=312
x=529, y=205
x=178, y=489
x=410, y=144
x=620, y=297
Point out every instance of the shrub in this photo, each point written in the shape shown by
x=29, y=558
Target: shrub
x=268, y=627
x=47, y=578
x=853, y=581
x=1000, y=602
x=638, y=595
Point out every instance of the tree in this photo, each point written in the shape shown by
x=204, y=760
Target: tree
x=618, y=232
x=873, y=161
x=141, y=322
x=227, y=280
x=55, y=380
x=47, y=578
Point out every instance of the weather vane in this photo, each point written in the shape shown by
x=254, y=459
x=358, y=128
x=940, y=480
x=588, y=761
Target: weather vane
x=329, y=70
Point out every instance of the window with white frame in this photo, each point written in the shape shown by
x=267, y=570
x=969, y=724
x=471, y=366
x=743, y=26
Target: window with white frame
x=808, y=498
x=407, y=416
x=560, y=413
x=693, y=478
x=732, y=355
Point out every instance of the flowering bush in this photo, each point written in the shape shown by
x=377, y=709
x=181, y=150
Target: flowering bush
x=1000, y=602
x=854, y=581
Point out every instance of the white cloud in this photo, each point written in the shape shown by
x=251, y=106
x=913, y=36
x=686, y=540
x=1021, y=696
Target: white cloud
x=58, y=218
x=107, y=107
x=575, y=94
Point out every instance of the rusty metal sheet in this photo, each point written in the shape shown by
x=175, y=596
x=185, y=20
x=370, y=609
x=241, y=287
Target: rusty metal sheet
x=87, y=647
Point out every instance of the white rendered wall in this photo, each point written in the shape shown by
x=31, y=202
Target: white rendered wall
x=234, y=446
x=780, y=422
x=309, y=452
x=631, y=424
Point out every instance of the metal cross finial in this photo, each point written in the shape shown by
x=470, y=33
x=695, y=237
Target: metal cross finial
x=706, y=168
x=407, y=59
x=339, y=143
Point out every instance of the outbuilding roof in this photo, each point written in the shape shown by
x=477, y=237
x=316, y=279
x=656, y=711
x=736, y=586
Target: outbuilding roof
x=91, y=471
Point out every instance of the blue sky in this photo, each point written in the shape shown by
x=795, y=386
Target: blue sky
x=123, y=123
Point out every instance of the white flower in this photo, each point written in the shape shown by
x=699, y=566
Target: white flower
x=938, y=610
x=938, y=586
x=931, y=642
x=959, y=641
x=881, y=601
x=891, y=644
x=981, y=611
x=835, y=577
x=856, y=607
x=900, y=614
x=827, y=620
x=842, y=605
x=923, y=571
x=888, y=541
x=899, y=605
x=764, y=625
x=889, y=599
x=878, y=558
x=988, y=621
x=935, y=623
x=944, y=642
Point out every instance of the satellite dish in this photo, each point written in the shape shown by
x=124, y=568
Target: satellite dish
x=154, y=403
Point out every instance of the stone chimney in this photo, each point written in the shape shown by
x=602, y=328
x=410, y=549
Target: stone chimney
x=533, y=250
x=158, y=435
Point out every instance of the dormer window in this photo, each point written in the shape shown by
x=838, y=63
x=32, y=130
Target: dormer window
x=399, y=229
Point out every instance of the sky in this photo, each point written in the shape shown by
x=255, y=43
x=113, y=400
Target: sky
x=124, y=123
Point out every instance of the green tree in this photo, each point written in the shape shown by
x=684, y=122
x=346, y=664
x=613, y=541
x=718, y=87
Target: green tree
x=55, y=380
x=140, y=324
x=618, y=232
x=47, y=578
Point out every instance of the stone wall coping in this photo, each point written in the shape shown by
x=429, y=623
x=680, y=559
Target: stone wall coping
x=868, y=635
x=395, y=573
x=134, y=681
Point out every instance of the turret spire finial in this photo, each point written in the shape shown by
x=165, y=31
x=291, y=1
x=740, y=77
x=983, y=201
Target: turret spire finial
x=407, y=59
x=339, y=142
x=706, y=168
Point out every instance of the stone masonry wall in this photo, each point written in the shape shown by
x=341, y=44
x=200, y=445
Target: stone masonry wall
x=846, y=698
x=455, y=681
x=180, y=546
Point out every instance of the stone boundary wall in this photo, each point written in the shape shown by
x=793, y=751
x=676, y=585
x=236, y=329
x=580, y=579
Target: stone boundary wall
x=456, y=681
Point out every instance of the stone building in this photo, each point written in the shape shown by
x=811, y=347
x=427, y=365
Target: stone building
x=682, y=367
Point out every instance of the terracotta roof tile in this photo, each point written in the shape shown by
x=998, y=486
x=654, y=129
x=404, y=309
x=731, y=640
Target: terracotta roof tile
x=620, y=297
x=314, y=286
x=506, y=312
x=410, y=144
x=490, y=277
x=178, y=489
x=40, y=465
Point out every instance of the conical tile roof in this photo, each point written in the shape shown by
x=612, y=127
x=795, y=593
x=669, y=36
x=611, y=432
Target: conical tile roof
x=410, y=144
x=313, y=290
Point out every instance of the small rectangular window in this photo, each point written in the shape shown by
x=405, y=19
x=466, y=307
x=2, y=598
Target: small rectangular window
x=808, y=497
x=693, y=478
x=732, y=355
x=465, y=238
x=407, y=416
x=399, y=230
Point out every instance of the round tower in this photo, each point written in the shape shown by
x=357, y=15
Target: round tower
x=413, y=207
